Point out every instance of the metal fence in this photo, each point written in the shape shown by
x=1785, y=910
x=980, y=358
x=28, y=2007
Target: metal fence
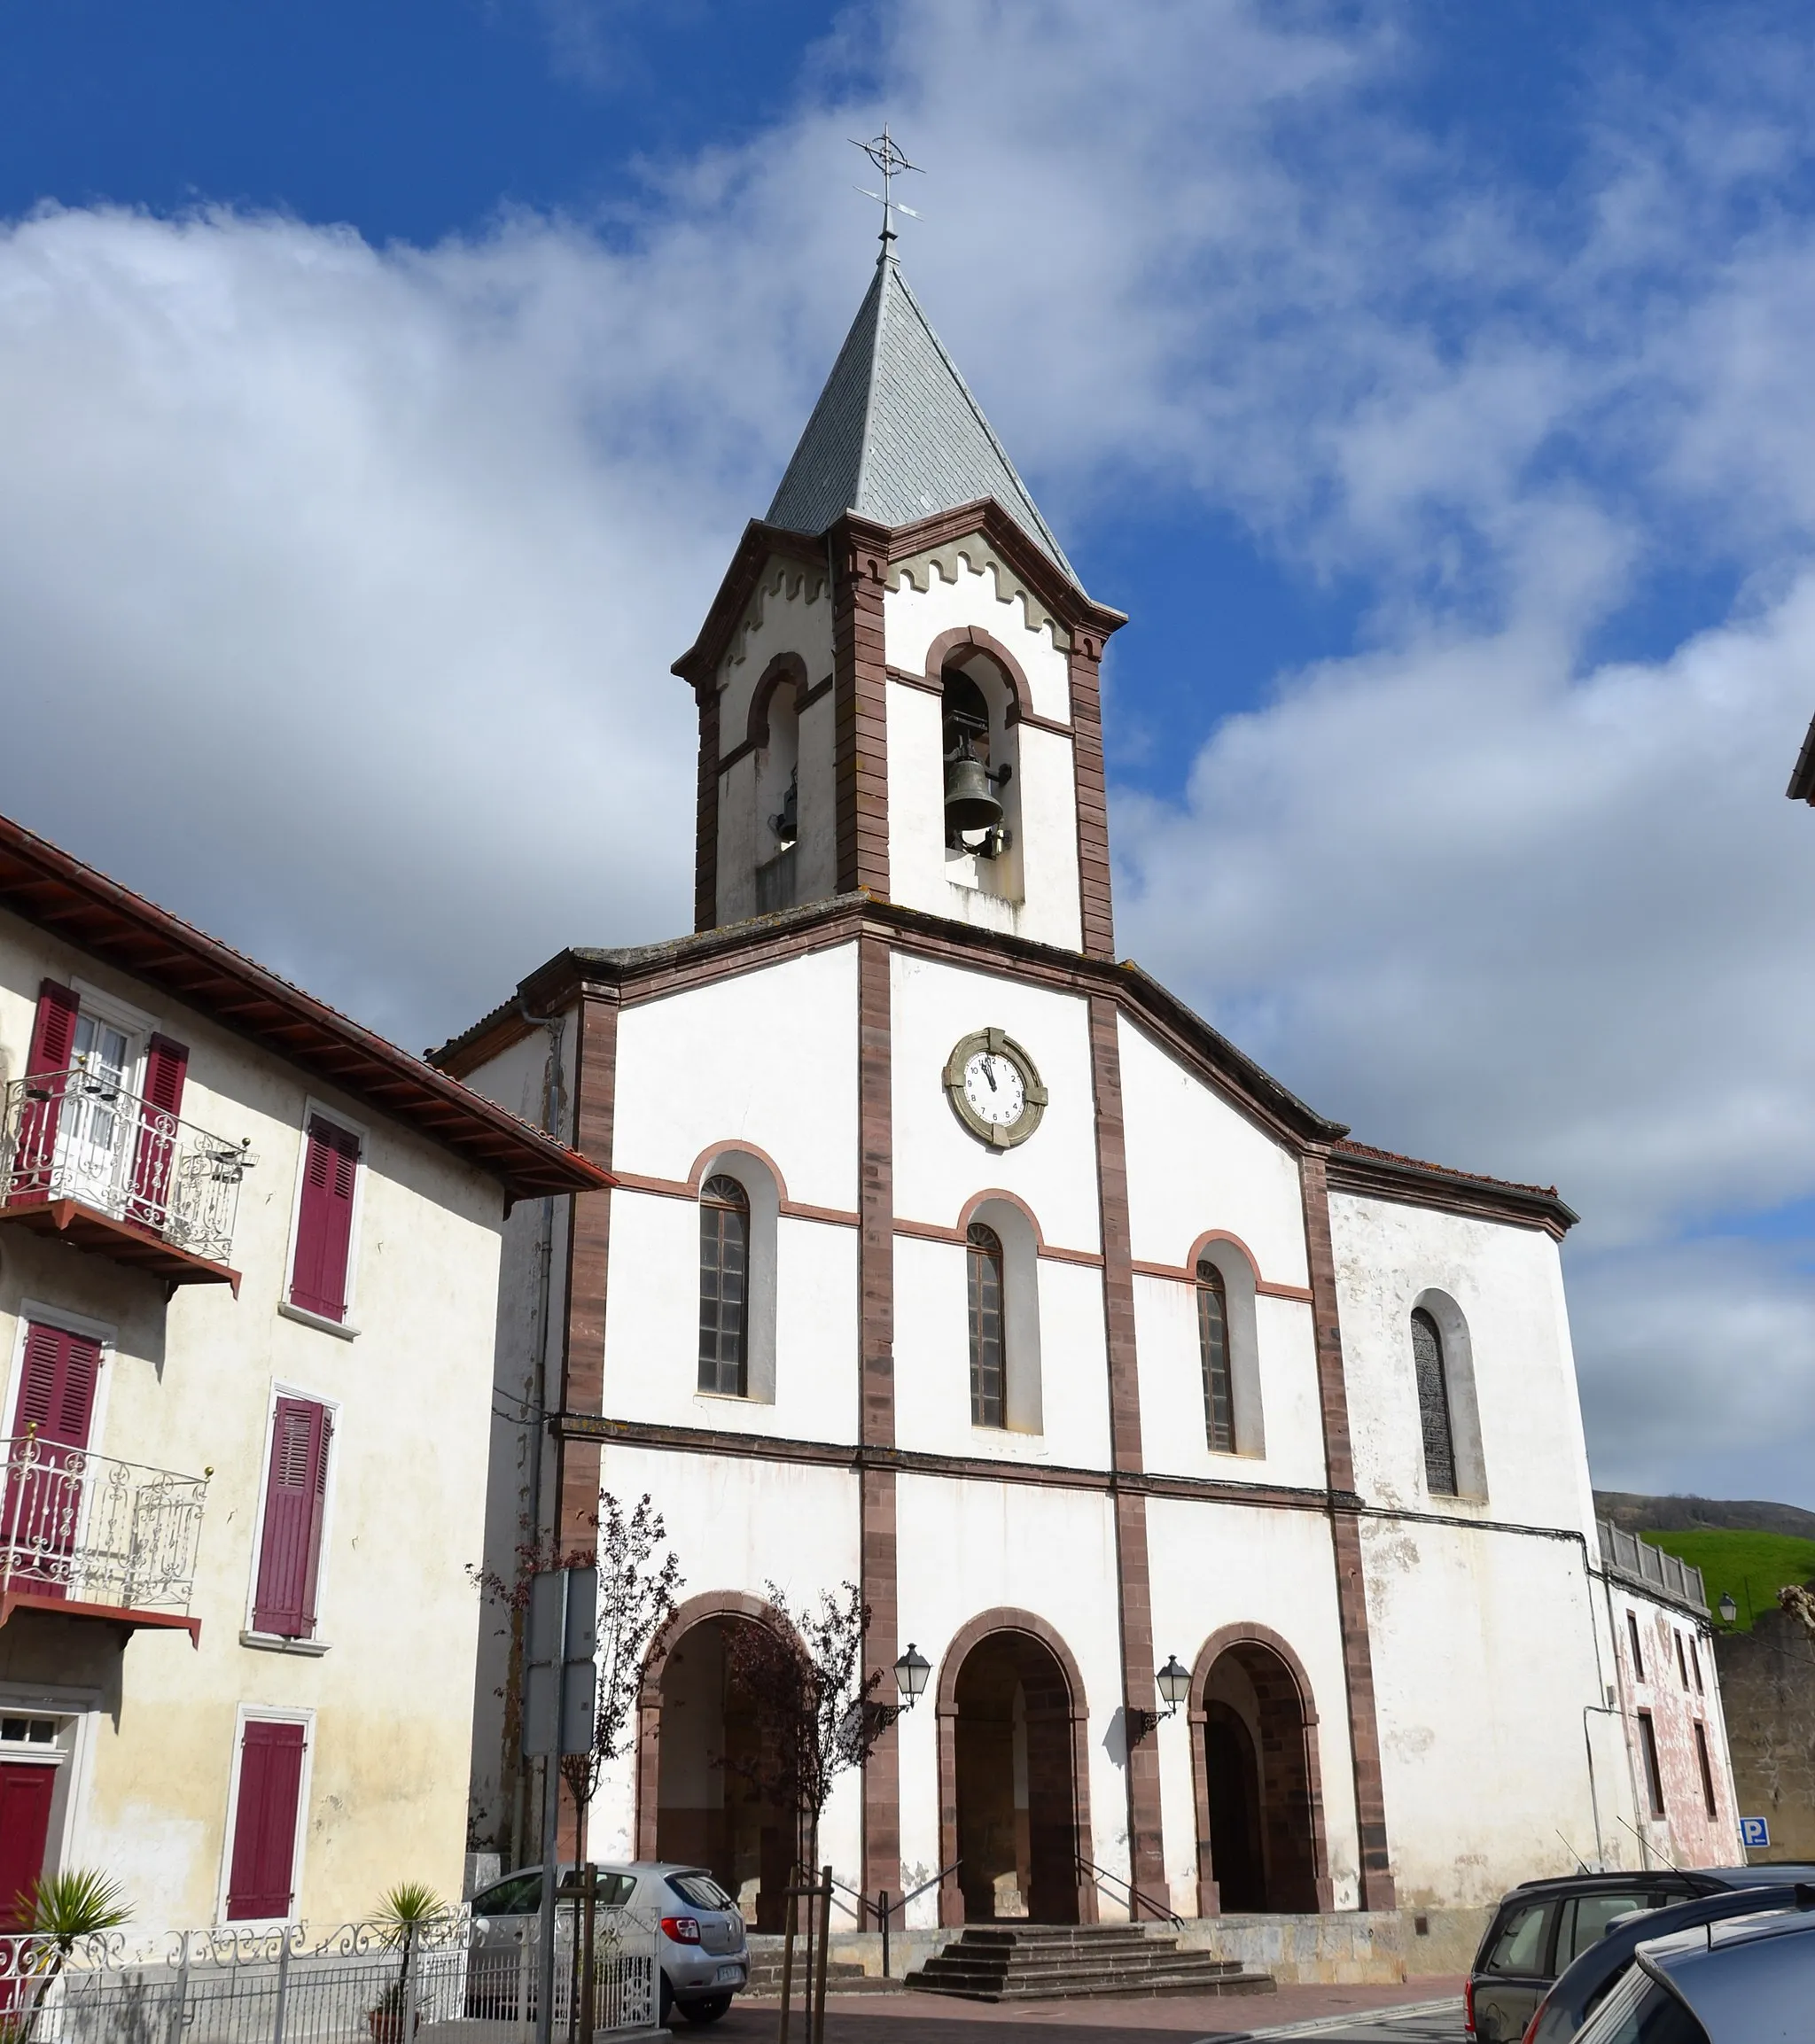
x=447, y=1984
x=80, y=1135
x=78, y=1525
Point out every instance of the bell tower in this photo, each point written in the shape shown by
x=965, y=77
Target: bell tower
x=898, y=681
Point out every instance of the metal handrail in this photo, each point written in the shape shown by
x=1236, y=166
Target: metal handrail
x=96, y=1530
x=1102, y=1874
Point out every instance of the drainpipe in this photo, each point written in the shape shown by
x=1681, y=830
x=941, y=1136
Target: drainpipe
x=551, y=1119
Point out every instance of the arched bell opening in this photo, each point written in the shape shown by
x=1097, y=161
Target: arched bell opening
x=976, y=732
x=1015, y=1806
x=1261, y=1831
x=706, y=1813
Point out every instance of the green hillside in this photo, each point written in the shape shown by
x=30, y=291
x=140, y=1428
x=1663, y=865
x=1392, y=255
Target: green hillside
x=1752, y=1566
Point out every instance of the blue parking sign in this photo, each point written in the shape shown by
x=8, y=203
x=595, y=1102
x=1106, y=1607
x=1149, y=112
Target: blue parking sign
x=1754, y=1832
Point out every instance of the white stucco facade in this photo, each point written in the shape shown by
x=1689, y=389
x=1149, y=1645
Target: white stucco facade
x=145, y=1675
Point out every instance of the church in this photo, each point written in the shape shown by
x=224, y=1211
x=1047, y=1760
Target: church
x=1227, y=1474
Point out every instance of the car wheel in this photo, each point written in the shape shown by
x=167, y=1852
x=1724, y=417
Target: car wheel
x=707, y=2011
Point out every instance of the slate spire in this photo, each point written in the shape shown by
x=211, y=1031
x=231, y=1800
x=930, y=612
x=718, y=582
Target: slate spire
x=896, y=434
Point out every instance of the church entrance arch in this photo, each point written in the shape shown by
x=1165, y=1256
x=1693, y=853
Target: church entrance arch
x=1260, y=1834
x=692, y=1806
x=1013, y=1798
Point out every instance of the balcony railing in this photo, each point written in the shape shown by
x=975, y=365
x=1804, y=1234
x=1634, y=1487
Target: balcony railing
x=85, y=1529
x=1651, y=1569
x=77, y=1136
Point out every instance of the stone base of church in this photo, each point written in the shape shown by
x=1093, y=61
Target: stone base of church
x=1341, y=1948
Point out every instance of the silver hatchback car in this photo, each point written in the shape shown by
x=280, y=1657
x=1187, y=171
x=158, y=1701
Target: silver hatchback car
x=703, y=1953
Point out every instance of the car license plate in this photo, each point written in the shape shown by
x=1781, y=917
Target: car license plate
x=730, y=1977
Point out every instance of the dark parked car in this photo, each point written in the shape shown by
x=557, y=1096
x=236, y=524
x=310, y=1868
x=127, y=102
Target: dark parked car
x=1746, y=1980
x=1542, y=1927
x=1580, y=1989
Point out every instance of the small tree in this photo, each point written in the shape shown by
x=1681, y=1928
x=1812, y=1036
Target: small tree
x=62, y=1909
x=636, y=1599
x=805, y=1680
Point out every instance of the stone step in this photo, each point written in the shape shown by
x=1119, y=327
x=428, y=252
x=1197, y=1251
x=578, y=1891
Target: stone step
x=998, y=1962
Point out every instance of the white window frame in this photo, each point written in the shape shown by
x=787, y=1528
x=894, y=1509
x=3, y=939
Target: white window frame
x=346, y=1330
x=139, y=1026
x=317, y=1644
x=76, y=1760
x=259, y=1713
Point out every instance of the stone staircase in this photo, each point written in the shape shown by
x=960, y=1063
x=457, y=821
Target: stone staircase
x=999, y=1962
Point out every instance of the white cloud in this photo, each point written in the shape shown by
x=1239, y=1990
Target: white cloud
x=338, y=587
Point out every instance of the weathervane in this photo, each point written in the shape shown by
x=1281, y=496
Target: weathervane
x=888, y=157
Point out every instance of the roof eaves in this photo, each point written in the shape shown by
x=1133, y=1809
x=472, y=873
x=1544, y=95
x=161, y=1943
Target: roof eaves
x=1802, y=787
x=303, y=1030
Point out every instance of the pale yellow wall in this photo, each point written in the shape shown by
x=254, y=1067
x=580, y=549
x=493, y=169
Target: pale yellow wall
x=187, y=1386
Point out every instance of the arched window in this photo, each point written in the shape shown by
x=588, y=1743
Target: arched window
x=1434, y=1405
x=1214, y=1348
x=988, y=1373
x=724, y=1286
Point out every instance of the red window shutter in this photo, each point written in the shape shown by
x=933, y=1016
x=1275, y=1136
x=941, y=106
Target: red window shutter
x=43, y=1506
x=26, y=1789
x=324, y=1222
x=166, y=1065
x=53, y=1046
x=56, y=1389
x=295, y=1494
x=264, y=1824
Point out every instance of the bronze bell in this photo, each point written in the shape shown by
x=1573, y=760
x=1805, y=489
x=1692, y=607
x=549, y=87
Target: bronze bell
x=971, y=802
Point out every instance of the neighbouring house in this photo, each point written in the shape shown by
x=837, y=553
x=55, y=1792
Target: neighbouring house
x=1228, y=1473
x=1671, y=1702
x=249, y=1259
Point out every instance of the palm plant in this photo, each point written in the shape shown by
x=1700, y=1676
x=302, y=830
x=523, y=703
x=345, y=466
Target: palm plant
x=404, y=1911
x=62, y=1908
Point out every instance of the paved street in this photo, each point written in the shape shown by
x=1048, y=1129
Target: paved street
x=1413, y=2012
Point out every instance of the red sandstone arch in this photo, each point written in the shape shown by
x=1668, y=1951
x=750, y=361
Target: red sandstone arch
x=1291, y=1673
x=712, y=1152
x=695, y=1611
x=1005, y=1619
x=966, y=1213
x=783, y=669
x=964, y=639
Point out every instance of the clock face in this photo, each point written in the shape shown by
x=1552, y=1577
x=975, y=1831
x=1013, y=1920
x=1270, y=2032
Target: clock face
x=993, y=1088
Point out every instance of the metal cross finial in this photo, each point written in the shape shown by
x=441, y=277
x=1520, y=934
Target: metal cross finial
x=887, y=155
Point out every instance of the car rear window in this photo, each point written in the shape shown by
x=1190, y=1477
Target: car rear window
x=701, y=1889
x=1585, y=1918
x=1638, y=2012
x=1519, y=1945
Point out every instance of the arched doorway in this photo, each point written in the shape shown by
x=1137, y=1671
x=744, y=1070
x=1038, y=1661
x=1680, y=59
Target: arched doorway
x=1015, y=1812
x=1260, y=1834
x=697, y=1727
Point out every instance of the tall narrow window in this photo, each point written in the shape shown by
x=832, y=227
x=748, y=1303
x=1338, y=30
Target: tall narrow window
x=290, y=1548
x=724, y=1288
x=166, y=1064
x=1706, y=1766
x=983, y=1254
x=1653, y=1774
x=1638, y=1653
x=1434, y=1406
x=324, y=1220
x=1214, y=1348
x=262, y=1868
x=52, y=1052
x=1682, y=1663
x=1695, y=1663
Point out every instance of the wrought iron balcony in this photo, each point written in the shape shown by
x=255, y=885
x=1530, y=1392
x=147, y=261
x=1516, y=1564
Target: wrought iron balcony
x=83, y=1157
x=91, y=1537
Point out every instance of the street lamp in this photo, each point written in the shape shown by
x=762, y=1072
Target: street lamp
x=911, y=1672
x=1729, y=1611
x=1174, y=1683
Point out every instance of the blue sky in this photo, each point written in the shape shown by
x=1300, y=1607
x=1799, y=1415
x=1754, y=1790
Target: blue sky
x=384, y=386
